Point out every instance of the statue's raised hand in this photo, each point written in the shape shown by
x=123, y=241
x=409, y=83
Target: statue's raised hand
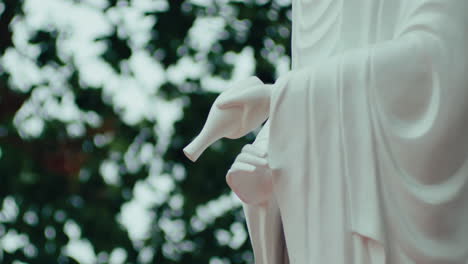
x=252, y=98
x=237, y=111
x=250, y=176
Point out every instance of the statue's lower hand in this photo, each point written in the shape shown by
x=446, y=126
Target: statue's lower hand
x=250, y=176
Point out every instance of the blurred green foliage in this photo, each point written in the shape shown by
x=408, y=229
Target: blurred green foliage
x=55, y=176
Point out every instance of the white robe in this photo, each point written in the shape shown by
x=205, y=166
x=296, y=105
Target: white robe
x=368, y=137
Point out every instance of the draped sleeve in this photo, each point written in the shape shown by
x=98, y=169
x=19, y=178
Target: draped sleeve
x=397, y=113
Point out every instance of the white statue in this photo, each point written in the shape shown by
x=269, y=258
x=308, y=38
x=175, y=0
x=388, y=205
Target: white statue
x=364, y=158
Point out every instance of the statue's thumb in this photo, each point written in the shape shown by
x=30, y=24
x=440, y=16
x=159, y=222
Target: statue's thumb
x=233, y=99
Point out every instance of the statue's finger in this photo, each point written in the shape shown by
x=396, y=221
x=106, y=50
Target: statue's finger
x=240, y=166
x=254, y=150
x=251, y=159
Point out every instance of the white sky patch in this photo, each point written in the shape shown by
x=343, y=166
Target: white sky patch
x=207, y=213
x=2, y=8
x=12, y=241
x=244, y=64
x=21, y=33
x=162, y=185
x=239, y=235
x=205, y=32
x=69, y=15
x=136, y=219
x=81, y=250
x=148, y=72
x=9, y=211
x=76, y=129
x=40, y=13
x=19, y=262
x=72, y=230
x=101, y=4
x=27, y=122
x=110, y=172
x=136, y=215
x=283, y=2
x=132, y=22
x=205, y=3
x=151, y=5
x=80, y=34
x=67, y=110
x=77, y=248
x=81, y=43
x=31, y=127
x=23, y=71
x=217, y=260
x=131, y=161
x=223, y=236
x=235, y=238
x=129, y=98
x=30, y=217
x=118, y=256
x=244, y=67
x=167, y=113
x=146, y=255
x=146, y=153
x=95, y=72
x=185, y=68
x=174, y=230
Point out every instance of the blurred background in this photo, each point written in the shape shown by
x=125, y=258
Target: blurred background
x=97, y=99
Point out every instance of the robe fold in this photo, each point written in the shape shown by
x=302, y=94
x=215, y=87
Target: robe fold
x=368, y=137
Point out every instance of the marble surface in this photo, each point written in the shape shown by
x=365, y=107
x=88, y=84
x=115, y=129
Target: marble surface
x=364, y=155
